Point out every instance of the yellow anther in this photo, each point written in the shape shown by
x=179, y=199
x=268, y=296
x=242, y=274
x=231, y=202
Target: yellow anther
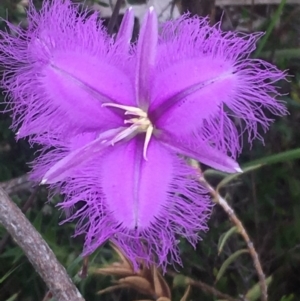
x=138, y=125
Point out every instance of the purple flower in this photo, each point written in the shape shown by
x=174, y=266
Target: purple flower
x=117, y=121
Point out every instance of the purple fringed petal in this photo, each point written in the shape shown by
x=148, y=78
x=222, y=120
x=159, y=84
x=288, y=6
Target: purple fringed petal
x=144, y=185
x=204, y=80
x=145, y=57
x=82, y=148
x=200, y=151
x=140, y=205
x=50, y=159
x=125, y=32
x=60, y=71
x=76, y=86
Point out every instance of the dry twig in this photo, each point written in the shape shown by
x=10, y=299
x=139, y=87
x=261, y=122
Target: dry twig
x=17, y=185
x=235, y=220
x=218, y=199
x=252, y=2
x=203, y=286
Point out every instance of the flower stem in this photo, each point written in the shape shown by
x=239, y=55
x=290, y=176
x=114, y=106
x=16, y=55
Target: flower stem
x=218, y=199
x=203, y=286
x=241, y=229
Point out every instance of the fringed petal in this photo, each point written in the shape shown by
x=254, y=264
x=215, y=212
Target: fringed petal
x=60, y=70
x=200, y=151
x=141, y=191
x=140, y=205
x=205, y=81
x=82, y=148
x=146, y=57
x=55, y=154
x=124, y=35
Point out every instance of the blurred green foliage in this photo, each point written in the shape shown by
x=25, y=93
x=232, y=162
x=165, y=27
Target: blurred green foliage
x=267, y=200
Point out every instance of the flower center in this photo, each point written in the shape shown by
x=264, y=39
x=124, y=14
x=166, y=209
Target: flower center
x=139, y=124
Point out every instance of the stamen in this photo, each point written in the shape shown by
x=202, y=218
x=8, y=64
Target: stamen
x=140, y=124
x=141, y=113
x=125, y=133
x=149, y=133
x=133, y=120
x=129, y=110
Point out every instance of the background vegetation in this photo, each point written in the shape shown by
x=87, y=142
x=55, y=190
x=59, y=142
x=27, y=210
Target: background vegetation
x=267, y=199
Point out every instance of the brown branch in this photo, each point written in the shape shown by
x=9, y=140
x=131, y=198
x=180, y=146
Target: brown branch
x=241, y=229
x=209, y=289
x=37, y=251
x=249, y=2
x=24, y=209
x=218, y=199
x=17, y=185
x=204, y=287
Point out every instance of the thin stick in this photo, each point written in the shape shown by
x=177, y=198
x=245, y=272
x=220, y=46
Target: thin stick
x=204, y=287
x=114, y=17
x=17, y=185
x=37, y=251
x=209, y=289
x=235, y=220
x=84, y=270
x=223, y=3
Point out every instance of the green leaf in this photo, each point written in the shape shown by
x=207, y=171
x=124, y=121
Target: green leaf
x=228, y=261
x=254, y=292
x=273, y=22
x=7, y=274
x=13, y=297
x=103, y=4
x=180, y=281
x=231, y=177
x=289, y=53
x=74, y=265
x=255, y=164
x=224, y=237
x=38, y=221
x=214, y=173
x=290, y=297
x=277, y=158
x=14, y=252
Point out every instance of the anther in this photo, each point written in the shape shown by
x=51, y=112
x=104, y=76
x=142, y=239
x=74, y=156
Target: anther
x=138, y=125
